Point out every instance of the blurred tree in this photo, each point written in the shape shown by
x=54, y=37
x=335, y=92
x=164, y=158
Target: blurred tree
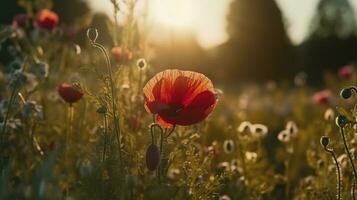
x=332, y=41
x=258, y=47
x=71, y=11
x=333, y=18
x=8, y=9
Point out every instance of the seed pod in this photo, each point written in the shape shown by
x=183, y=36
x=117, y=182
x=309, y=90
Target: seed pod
x=228, y=146
x=102, y=110
x=346, y=93
x=152, y=157
x=325, y=140
x=341, y=121
x=141, y=63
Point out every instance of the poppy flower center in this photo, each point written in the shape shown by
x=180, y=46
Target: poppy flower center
x=172, y=110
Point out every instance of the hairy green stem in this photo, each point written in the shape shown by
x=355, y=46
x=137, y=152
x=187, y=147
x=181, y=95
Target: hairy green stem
x=351, y=161
x=112, y=88
x=105, y=137
x=338, y=171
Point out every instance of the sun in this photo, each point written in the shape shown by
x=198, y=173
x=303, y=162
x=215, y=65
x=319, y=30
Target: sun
x=174, y=13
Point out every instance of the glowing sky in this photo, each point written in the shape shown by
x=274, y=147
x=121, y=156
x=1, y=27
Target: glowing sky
x=206, y=18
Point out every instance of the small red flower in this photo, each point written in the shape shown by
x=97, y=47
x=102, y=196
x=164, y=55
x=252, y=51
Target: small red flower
x=121, y=55
x=20, y=20
x=179, y=97
x=47, y=19
x=69, y=93
x=322, y=97
x=345, y=72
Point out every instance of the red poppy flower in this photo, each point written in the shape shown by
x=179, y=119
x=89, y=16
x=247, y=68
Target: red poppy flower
x=322, y=97
x=47, y=19
x=69, y=93
x=345, y=72
x=20, y=20
x=179, y=97
x=121, y=55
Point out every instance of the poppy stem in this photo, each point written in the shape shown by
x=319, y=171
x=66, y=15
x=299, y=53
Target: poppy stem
x=241, y=155
x=112, y=88
x=69, y=121
x=161, y=147
x=351, y=161
x=162, y=137
x=105, y=136
x=338, y=171
x=139, y=86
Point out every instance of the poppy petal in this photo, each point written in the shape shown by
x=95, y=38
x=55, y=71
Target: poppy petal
x=200, y=107
x=155, y=106
x=163, y=123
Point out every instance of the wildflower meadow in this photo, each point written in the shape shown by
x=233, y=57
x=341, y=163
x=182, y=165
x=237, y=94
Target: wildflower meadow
x=91, y=111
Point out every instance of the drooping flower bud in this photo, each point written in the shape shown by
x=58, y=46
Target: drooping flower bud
x=152, y=157
x=324, y=141
x=341, y=121
x=346, y=93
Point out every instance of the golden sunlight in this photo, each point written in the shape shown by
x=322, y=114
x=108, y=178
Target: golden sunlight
x=178, y=14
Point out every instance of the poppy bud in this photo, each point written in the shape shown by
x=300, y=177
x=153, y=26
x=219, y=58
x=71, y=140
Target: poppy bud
x=341, y=121
x=228, y=146
x=102, y=110
x=15, y=65
x=324, y=141
x=346, y=93
x=141, y=63
x=152, y=157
